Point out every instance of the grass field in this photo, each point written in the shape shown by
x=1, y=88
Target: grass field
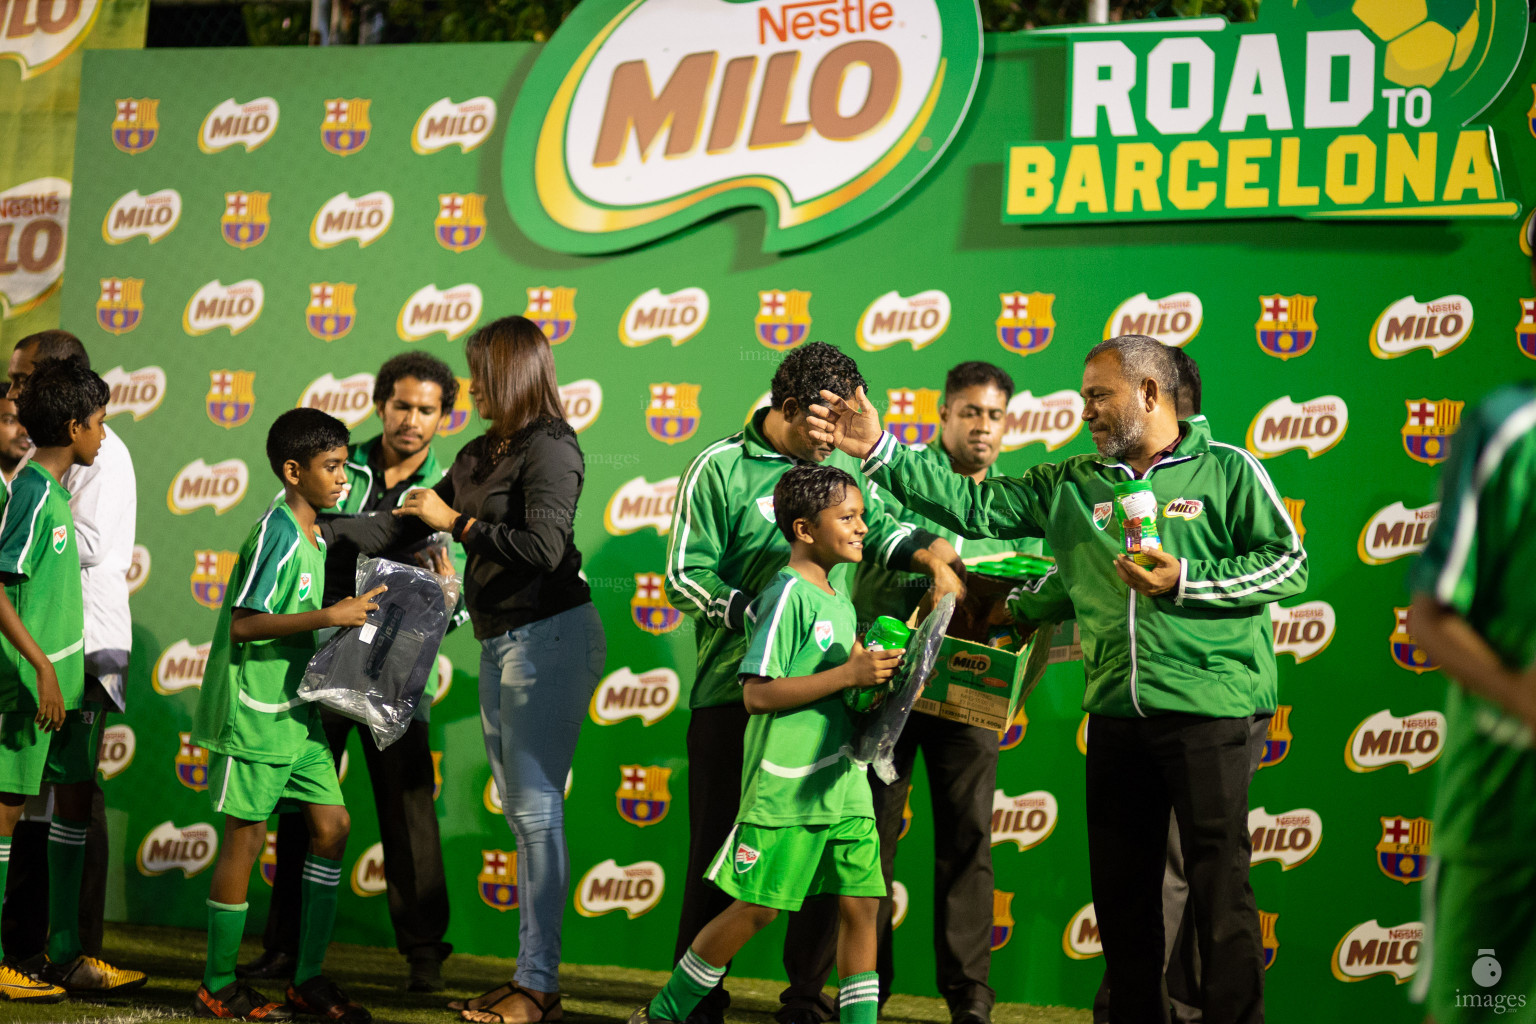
x=375, y=977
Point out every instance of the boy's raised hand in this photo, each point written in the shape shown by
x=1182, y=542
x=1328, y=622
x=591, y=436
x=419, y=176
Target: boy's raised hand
x=353, y=611
x=50, y=701
x=872, y=668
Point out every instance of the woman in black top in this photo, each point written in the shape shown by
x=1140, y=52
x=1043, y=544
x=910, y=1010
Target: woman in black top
x=510, y=500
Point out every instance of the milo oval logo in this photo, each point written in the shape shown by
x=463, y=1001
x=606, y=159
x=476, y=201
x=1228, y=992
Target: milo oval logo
x=648, y=116
x=39, y=34
x=967, y=661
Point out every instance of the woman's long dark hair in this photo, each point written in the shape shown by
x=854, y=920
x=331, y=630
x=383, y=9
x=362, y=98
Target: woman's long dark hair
x=512, y=361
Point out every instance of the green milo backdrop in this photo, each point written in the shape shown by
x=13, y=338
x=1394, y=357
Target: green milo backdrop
x=251, y=230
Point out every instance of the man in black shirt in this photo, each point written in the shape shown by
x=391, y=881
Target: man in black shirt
x=412, y=394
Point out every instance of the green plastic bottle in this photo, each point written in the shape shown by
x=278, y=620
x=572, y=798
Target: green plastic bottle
x=887, y=634
x=1136, y=508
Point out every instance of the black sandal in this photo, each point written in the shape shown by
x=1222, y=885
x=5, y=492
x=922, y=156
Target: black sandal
x=460, y=1005
x=518, y=990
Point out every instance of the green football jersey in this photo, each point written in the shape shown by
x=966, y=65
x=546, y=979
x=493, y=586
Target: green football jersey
x=42, y=567
x=249, y=706
x=1480, y=562
x=794, y=770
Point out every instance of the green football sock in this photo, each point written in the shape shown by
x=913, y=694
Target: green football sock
x=690, y=982
x=858, y=999
x=318, y=917
x=5, y=869
x=66, y=862
x=226, y=923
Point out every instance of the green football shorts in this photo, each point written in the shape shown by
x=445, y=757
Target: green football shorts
x=779, y=866
x=1482, y=958
x=30, y=757
x=254, y=790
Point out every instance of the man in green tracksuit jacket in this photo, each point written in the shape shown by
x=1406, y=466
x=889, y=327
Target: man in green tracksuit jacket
x=723, y=549
x=960, y=759
x=1178, y=656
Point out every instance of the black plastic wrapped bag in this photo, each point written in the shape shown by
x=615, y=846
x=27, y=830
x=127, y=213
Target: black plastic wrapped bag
x=875, y=741
x=377, y=673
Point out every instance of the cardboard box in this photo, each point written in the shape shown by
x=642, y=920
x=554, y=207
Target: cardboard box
x=980, y=685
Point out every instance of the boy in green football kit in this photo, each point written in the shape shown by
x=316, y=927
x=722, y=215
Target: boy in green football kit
x=1473, y=613
x=806, y=825
x=267, y=749
x=48, y=734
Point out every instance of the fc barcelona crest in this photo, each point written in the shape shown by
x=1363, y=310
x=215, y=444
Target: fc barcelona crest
x=1428, y=429
x=554, y=310
x=245, y=221
x=673, y=414
x=1014, y=734
x=643, y=797
x=498, y=879
x=1269, y=943
x=1530, y=115
x=1293, y=508
x=1405, y=652
x=460, y=223
x=331, y=311
x=913, y=414
x=135, y=125
x=121, y=305
x=1403, y=853
x=437, y=774
x=1002, y=918
x=906, y=817
x=268, y=861
x=649, y=608
x=345, y=128
x=783, y=318
x=1026, y=325
x=1286, y=327
x=191, y=764
x=1525, y=330
x=210, y=576
x=1277, y=741
x=457, y=418
x=231, y=398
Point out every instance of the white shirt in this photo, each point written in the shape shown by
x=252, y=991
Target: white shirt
x=103, y=499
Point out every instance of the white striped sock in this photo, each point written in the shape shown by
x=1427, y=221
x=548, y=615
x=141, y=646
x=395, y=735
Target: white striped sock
x=320, y=874
x=700, y=970
x=69, y=835
x=863, y=992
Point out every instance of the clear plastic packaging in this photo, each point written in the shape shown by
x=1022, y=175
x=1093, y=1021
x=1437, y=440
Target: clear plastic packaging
x=875, y=741
x=377, y=673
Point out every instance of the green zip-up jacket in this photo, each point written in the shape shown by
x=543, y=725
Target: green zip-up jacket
x=1203, y=648
x=725, y=548
x=878, y=590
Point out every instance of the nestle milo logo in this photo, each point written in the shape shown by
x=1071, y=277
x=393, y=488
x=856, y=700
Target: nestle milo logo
x=650, y=115
x=966, y=661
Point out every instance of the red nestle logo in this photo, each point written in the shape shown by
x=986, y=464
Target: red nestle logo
x=807, y=19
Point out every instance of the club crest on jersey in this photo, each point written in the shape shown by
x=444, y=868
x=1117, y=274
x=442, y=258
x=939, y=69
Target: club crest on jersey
x=823, y=631
x=349, y=399
x=1525, y=330
x=460, y=222
x=332, y=309
x=231, y=396
x=643, y=797
x=656, y=314
x=135, y=125
x=746, y=858
x=1403, y=853
x=1439, y=325
x=1286, y=327
x=246, y=219
x=233, y=307
x=1414, y=741
x=1173, y=320
x=345, y=128
x=553, y=310
x=1290, y=838
x=1369, y=949
x=894, y=318
x=1026, y=326
x=1405, y=650
x=457, y=418
x=1269, y=944
x=1184, y=508
x=121, y=305
x=445, y=123
x=1428, y=429
x=153, y=216
x=1277, y=740
x=210, y=576
x=268, y=859
x=673, y=414
x=1014, y=734
x=306, y=584
x=913, y=414
x=649, y=608
x=60, y=538
x=765, y=508
x=1101, y=512
x=1080, y=940
x=498, y=879
x=191, y=764
x=783, y=318
x=169, y=847
x=233, y=123
x=363, y=219
x=1002, y=918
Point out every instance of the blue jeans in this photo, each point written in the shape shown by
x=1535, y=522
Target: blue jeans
x=535, y=684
